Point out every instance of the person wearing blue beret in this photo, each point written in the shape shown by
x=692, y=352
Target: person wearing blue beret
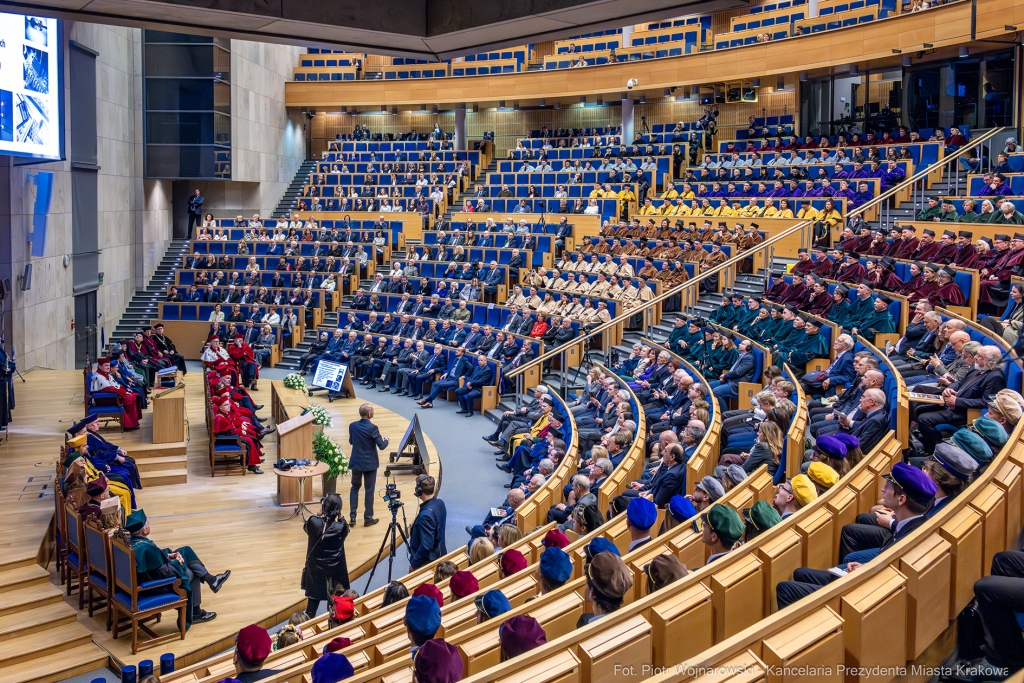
x=553, y=570
x=600, y=545
x=422, y=619
x=906, y=497
x=491, y=604
x=680, y=509
x=641, y=514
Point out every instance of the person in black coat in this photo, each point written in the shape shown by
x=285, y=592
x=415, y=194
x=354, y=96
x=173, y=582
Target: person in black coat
x=870, y=424
x=326, y=568
x=426, y=534
x=365, y=439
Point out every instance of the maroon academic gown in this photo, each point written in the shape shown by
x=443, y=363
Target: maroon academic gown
x=948, y=294
x=797, y=295
x=907, y=249
x=911, y=285
x=926, y=252
x=880, y=249
x=863, y=244
x=853, y=273
x=804, y=267
x=1003, y=269
x=946, y=254
x=821, y=305
x=966, y=257
x=923, y=292
x=824, y=268
x=778, y=292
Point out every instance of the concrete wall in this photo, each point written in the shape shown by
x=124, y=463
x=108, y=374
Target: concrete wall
x=42, y=316
x=267, y=140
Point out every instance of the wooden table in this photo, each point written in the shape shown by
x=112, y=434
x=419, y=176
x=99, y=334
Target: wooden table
x=302, y=474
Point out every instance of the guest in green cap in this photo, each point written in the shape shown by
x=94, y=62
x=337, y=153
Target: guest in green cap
x=153, y=563
x=723, y=529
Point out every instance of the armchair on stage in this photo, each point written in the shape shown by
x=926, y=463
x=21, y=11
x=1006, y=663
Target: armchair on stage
x=144, y=602
x=228, y=454
x=106, y=404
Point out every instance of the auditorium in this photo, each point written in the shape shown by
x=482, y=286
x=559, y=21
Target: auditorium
x=574, y=342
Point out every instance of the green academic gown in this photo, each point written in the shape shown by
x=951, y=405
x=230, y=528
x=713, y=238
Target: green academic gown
x=760, y=330
x=812, y=346
x=723, y=359
x=152, y=563
x=950, y=217
x=723, y=315
x=969, y=217
x=878, y=323
x=859, y=312
x=929, y=213
x=1016, y=219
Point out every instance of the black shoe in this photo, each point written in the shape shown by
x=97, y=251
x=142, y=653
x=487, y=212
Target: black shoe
x=373, y=385
x=504, y=468
x=504, y=458
x=364, y=383
x=255, y=470
x=259, y=407
x=502, y=453
x=469, y=530
x=383, y=389
x=395, y=391
x=219, y=580
x=489, y=439
x=403, y=393
x=462, y=412
x=352, y=520
x=508, y=485
x=494, y=442
x=203, y=617
x=469, y=413
x=369, y=522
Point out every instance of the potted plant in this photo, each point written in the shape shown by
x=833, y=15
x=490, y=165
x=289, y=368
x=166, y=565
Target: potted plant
x=321, y=418
x=327, y=450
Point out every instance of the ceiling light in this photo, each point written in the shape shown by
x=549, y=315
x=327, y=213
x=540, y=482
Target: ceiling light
x=853, y=69
x=964, y=51
x=757, y=82
x=541, y=103
x=803, y=76
x=583, y=99
x=501, y=104
x=906, y=60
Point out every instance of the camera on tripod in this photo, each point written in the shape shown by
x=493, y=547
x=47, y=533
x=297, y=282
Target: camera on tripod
x=392, y=496
x=700, y=321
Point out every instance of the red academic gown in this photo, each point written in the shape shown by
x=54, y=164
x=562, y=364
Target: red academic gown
x=1002, y=269
x=130, y=402
x=804, y=267
x=824, y=268
x=906, y=249
x=230, y=426
x=863, y=244
x=911, y=285
x=245, y=359
x=820, y=305
x=927, y=252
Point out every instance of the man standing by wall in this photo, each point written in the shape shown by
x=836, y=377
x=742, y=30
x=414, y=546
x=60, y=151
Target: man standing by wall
x=365, y=439
x=195, y=211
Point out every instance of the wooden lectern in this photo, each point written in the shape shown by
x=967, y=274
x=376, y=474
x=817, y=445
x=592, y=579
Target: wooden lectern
x=294, y=441
x=169, y=415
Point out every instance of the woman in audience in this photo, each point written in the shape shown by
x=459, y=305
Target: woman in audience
x=539, y=327
x=1009, y=326
x=395, y=592
x=220, y=236
x=479, y=549
x=217, y=316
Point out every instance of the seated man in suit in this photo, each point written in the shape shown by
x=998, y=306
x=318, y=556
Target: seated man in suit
x=870, y=423
x=974, y=391
x=728, y=384
x=481, y=376
x=907, y=492
x=837, y=374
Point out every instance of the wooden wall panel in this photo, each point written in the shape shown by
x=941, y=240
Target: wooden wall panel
x=945, y=25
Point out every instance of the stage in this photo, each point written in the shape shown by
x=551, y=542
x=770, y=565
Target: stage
x=230, y=521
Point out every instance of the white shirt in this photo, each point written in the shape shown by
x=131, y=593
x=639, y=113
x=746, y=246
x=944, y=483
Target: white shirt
x=272, y=319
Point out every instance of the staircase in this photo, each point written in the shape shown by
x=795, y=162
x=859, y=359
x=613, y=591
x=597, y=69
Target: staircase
x=290, y=198
x=143, y=307
x=40, y=637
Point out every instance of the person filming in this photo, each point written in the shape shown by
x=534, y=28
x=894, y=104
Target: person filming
x=426, y=535
x=365, y=439
x=326, y=568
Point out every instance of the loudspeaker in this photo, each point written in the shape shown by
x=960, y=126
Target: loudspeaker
x=26, y=279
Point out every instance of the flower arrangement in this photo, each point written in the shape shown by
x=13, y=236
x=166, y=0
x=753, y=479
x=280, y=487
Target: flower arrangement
x=320, y=415
x=327, y=450
x=295, y=381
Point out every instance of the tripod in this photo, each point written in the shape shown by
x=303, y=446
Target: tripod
x=394, y=528
x=586, y=361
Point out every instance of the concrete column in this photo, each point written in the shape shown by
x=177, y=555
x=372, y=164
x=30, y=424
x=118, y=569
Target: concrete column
x=460, y=128
x=627, y=121
x=812, y=8
x=627, y=31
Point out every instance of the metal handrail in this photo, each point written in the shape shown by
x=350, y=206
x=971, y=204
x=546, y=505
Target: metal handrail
x=517, y=374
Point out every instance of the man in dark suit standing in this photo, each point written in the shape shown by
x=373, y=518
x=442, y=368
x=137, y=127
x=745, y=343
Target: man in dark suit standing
x=365, y=439
x=195, y=211
x=426, y=534
x=974, y=391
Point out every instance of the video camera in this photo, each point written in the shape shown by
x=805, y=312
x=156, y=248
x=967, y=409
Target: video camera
x=392, y=496
x=700, y=321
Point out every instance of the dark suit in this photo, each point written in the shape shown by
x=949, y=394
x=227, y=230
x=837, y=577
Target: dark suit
x=806, y=581
x=481, y=376
x=972, y=392
x=365, y=439
x=668, y=483
x=729, y=387
x=838, y=374
x=870, y=429
x=426, y=535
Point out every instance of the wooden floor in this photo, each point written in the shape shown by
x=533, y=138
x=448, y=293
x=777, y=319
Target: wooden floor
x=230, y=521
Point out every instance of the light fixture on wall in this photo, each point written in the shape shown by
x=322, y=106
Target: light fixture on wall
x=515, y=106
x=757, y=82
x=803, y=76
x=394, y=110
x=501, y=104
x=600, y=101
x=696, y=91
x=558, y=105
x=853, y=69
x=384, y=108
x=906, y=60
x=666, y=92
x=541, y=103
x=476, y=108
x=344, y=110
x=964, y=52
x=436, y=109
x=643, y=99
x=583, y=99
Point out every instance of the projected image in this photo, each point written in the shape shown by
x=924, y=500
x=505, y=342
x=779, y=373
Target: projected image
x=32, y=121
x=35, y=30
x=6, y=116
x=36, y=70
